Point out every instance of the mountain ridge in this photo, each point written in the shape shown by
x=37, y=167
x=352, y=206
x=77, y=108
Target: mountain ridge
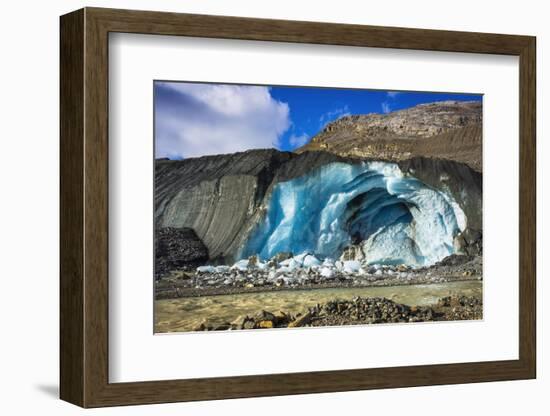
x=447, y=129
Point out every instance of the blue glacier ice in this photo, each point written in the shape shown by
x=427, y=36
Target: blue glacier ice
x=396, y=218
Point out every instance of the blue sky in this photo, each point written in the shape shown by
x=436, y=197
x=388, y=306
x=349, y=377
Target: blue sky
x=312, y=108
x=195, y=119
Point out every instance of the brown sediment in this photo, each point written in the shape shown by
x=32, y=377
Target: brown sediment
x=186, y=314
x=358, y=311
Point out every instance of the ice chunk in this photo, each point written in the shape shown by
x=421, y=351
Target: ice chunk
x=327, y=272
x=311, y=261
x=328, y=262
x=241, y=265
x=206, y=269
x=290, y=264
x=351, y=266
x=300, y=258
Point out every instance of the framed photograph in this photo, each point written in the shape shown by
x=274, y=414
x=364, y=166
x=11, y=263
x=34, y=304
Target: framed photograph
x=257, y=207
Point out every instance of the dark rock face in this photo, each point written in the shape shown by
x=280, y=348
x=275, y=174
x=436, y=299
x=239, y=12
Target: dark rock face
x=458, y=179
x=471, y=242
x=176, y=249
x=303, y=163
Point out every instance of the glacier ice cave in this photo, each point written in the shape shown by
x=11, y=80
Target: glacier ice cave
x=394, y=217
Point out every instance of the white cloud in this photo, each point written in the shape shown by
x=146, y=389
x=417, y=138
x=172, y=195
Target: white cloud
x=393, y=94
x=203, y=119
x=298, y=141
x=332, y=115
x=386, y=108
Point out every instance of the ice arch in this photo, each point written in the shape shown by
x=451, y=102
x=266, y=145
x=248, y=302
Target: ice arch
x=395, y=217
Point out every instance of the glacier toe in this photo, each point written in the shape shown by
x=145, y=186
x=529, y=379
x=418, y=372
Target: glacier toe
x=394, y=217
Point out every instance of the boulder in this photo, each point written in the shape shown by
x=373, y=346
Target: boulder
x=177, y=249
x=302, y=320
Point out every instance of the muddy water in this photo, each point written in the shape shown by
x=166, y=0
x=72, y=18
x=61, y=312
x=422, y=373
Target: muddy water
x=184, y=314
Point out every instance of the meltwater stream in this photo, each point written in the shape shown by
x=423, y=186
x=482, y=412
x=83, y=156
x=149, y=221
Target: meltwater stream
x=394, y=217
x=184, y=314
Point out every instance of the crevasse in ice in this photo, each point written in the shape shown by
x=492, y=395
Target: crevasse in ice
x=395, y=217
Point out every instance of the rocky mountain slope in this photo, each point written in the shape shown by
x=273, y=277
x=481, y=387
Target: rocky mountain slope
x=446, y=130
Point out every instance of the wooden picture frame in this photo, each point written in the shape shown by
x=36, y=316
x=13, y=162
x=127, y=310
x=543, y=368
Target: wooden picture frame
x=84, y=207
